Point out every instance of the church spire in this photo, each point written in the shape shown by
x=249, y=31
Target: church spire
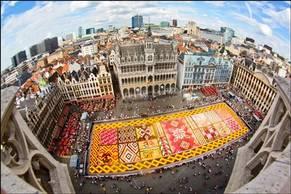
x=149, y=33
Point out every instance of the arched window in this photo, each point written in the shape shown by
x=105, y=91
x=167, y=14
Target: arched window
x=150, y=58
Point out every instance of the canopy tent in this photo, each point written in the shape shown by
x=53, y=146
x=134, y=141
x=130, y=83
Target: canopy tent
x=74, y=161
x=231, y=94
x=84, y=116
x=187, y=96
x=256, y=117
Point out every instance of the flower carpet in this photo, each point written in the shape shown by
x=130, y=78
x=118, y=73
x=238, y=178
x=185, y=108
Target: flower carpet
x=157, y=141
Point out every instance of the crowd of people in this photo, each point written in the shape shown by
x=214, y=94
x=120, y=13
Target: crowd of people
x=243, y=108
x=133, y=109
x=207, y=172
x=96, y=106
x=68, y=135
x=83, y=141
x=210, y=166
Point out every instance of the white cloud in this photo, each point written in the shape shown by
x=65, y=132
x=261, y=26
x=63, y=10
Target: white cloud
x=59, y=18
x=265, y=29
x=264, y=35
x=281, y=18
x=3, y=7
x=216, y=3
x=6, y=4
x=75, y=5
x=249, y=9
x=12, y=3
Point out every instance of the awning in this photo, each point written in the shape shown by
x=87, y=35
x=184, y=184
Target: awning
x=73, y=161
x=256, y=117
x=230, y=93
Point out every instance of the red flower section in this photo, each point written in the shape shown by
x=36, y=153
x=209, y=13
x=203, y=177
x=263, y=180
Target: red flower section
x=68, y=135
x=180, y=136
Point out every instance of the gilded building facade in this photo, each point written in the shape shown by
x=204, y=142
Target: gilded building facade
x=263, y=164
x=253, y=87
x=145, y=68
x=86, y=84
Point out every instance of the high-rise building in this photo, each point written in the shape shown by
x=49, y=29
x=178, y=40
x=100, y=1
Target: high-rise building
x=192, y=28
x=174, y=23
x=228, y=34
x=47, y=45
x=137, y=21
x=70, y=36
x=80, y=32
x=18, y=58
x=164, y=24
x=213, y=35
x=33, y=50
x=100, y=30
x=90, y=31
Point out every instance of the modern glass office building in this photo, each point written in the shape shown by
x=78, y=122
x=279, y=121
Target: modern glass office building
x=137, y=21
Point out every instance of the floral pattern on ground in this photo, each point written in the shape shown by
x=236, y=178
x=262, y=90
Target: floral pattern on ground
x=145, y=132
x=232, y=124
x=108, y=155
x=209, y=133
x=222, y=113
x=108, y=137
x=179, y=135
x=128, y=153
x=201, y=120
x=177, y=138
x=126, y=134
x=148, y=144
x=149, y=154
x=222, y=129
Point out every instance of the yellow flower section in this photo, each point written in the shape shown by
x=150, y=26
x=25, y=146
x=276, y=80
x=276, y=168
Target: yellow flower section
x=153, y=145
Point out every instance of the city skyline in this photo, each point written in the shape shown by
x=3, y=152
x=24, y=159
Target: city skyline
x=266, y=22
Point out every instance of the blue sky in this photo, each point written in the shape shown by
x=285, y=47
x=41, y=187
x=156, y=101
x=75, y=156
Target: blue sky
x=26, y=23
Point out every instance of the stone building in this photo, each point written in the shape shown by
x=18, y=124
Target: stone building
x=42, y=113
x=86, y=84
x=254, y=86
x=26, y=166
x=145, y=68
x=263, y=164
